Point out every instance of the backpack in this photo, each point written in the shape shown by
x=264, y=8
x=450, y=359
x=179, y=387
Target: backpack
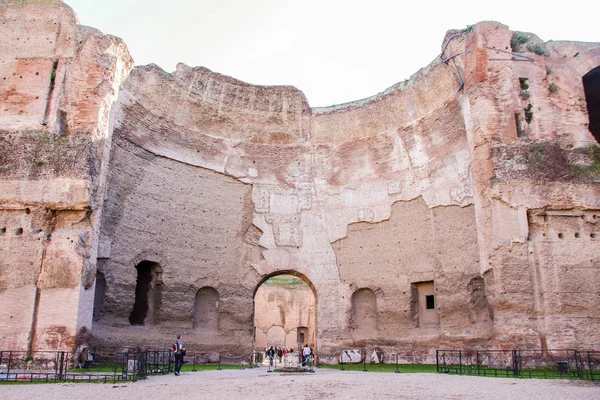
x=178, y=348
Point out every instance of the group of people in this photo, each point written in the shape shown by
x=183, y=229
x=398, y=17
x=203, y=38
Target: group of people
x=272, y=352
x=279, y=352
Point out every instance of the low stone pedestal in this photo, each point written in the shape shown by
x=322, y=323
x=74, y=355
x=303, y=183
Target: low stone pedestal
x=291, y=360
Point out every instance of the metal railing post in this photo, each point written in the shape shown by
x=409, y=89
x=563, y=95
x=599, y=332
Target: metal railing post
x=398, y=371
x=9, y=365
x=218, y=369
x=477, y=361
x=59, y=367
x=460, y=362
x=115, y=370
x=194, y=366
x=590, y=367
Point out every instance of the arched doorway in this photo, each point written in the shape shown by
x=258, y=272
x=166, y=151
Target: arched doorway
x=285, y=304
x=148, y=294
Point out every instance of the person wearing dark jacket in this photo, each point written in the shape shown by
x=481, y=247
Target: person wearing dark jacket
x=179, y=351
x=271, y=355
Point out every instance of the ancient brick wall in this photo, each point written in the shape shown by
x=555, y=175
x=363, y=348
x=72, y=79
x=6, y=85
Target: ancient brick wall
x=425, y=216
x=530, y=164
x=58, y=82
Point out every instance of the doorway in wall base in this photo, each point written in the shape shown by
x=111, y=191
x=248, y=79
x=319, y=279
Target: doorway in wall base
x=148, y=294
x=285, y=315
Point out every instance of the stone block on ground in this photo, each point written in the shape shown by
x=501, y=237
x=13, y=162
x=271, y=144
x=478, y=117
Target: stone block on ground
x=377, y=356
x=351, y=356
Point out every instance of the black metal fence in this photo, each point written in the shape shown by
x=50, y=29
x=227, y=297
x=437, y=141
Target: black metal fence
x=97, y=366
x=49, y=366
x=547, y=364
x=591, y=365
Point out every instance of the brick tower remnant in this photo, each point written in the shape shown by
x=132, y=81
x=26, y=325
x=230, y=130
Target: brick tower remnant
x=58, y=81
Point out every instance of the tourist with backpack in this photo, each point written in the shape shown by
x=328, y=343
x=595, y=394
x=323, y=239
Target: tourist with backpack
x=179, y=351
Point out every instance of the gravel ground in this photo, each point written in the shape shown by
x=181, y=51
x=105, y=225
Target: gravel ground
x=323, y=384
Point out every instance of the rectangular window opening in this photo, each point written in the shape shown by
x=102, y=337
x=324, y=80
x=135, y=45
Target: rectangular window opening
x=429, y=302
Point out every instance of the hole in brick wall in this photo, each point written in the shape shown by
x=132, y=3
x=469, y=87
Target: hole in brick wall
x=593, y=235
x=518, y=123
x=591, y=87
x=99, y=295
x=560, y=235
x=300, y=338
x=2, y=231
x=430, y=302
x=27, y=211
x=577, y=234
x=19, y=231
x=143, y=305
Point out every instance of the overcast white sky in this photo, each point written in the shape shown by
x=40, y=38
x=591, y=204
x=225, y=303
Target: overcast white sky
x=335, y=51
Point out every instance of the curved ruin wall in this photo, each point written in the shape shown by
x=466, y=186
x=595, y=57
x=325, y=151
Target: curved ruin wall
x=379, y=193
x=306, y=188
x=440, y=179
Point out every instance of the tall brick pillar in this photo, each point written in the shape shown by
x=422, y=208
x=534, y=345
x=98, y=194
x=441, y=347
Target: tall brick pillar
x=58, y=81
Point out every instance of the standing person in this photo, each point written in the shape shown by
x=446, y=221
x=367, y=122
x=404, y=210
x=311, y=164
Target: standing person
x=271, y=355
x=306, y=354
x=179, y=351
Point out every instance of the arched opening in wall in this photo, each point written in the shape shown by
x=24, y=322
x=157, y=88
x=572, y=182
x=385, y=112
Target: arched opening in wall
x=364, y=309
x=148, y=294
x=99, y=295
x=591, y=87
x=206, y=309
x=285, y=305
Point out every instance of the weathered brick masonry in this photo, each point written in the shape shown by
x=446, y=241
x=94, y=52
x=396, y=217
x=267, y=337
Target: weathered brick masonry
x=456, y=209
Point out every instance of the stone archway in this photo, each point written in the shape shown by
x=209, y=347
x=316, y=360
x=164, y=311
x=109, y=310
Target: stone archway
x=284, y=302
